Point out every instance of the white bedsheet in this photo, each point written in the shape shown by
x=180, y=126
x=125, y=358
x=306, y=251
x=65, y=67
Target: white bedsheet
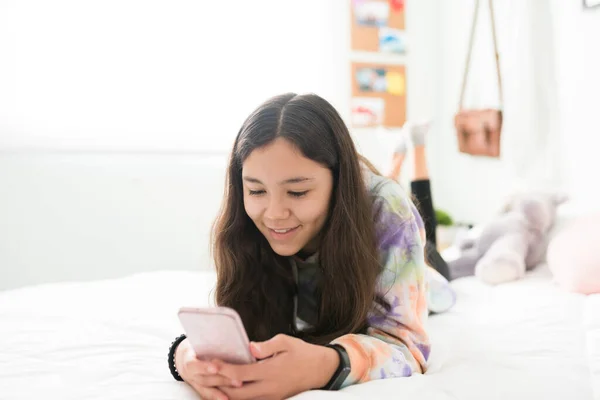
x=109, y=340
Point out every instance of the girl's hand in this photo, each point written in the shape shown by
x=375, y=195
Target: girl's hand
x=203, y=376
x=288, y=366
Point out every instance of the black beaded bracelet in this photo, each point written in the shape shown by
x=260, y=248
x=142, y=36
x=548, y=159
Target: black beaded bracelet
x=171, y=357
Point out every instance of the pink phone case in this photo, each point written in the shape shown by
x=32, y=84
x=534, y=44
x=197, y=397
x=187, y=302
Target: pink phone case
x=216, y=332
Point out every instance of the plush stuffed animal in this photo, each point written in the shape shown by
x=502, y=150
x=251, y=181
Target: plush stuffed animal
x=512, y=243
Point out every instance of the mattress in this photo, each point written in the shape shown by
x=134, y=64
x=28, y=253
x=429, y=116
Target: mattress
x=109, y=339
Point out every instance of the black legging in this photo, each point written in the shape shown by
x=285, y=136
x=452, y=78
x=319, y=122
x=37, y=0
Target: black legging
x=421, y=191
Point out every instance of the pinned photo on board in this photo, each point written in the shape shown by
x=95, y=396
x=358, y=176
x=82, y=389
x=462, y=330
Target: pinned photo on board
x=375, y=13
x=367, y=111
x=396, y=83
x=392, y=40
x=371, y=79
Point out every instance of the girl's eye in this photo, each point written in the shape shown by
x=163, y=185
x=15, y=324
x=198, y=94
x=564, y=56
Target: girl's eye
x=256, y=192
x=298, y=194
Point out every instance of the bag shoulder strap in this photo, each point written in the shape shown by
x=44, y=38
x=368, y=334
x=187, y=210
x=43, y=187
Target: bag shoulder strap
x=470, y=51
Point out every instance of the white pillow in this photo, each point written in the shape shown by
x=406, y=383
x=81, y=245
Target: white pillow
x=574, y=253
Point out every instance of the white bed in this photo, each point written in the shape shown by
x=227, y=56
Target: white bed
x=108, y=340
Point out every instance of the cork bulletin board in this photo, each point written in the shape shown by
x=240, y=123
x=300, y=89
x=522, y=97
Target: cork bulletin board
x=378, y=86
x=378, y=95
x=373, y=20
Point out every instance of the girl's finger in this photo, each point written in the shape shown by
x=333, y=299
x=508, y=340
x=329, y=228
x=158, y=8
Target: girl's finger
x=209, y=393
x=245, y=372
x=215, y=381
x=199, y=367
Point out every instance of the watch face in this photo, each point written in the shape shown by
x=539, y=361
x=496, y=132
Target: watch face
x=345, y=372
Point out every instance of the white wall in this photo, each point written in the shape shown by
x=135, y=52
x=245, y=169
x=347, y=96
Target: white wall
x=156, y=75
x=551, y=92
x=81, y=200
x=579, y=72
x=112, y=144
x=72, y=216
x=117, y=117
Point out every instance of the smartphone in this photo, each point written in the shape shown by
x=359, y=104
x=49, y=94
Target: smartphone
x=216, y=333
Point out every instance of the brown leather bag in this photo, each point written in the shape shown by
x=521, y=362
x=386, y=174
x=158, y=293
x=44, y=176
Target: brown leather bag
x=478, y=130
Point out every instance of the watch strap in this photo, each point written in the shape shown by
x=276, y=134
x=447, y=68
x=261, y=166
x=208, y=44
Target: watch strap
x=343, y=370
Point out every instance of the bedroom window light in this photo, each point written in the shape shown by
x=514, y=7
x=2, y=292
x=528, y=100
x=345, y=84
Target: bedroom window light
x=163, y=75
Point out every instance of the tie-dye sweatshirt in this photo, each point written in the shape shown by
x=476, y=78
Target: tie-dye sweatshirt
x=396, y=343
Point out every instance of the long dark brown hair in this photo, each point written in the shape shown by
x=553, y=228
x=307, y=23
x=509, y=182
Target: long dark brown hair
x=251, y=277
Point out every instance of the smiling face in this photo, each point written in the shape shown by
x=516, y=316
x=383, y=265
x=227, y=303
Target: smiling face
x=287, y=196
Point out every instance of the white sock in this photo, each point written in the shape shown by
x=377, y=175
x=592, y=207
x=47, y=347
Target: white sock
x=418, y=132
x=411, y=135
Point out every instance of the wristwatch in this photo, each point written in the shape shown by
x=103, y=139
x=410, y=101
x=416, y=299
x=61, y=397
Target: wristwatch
x=343, y=370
